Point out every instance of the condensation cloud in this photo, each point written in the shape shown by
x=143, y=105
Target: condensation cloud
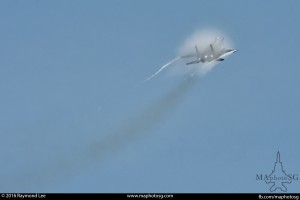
x=202, y=39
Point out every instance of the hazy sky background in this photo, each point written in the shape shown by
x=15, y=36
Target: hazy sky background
x=68, y=75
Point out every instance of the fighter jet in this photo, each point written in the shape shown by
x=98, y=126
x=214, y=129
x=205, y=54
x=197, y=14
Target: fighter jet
x=214, y=52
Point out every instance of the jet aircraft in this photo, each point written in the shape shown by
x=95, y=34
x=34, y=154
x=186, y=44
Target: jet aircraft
x=214, y=52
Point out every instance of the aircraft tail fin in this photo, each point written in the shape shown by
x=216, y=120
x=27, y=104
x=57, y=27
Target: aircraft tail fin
x=212, y=48
x=197, y=52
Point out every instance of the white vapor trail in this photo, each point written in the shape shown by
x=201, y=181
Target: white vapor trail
x=158, y=71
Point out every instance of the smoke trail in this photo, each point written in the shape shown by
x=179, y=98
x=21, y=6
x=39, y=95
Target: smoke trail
x=143, y=122
x=163, y=67
x=102, y=148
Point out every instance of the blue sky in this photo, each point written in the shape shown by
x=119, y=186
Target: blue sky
x=68, y=72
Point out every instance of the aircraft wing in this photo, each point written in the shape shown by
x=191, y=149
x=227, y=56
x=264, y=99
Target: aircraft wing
x=193, y=62
x=218, y=59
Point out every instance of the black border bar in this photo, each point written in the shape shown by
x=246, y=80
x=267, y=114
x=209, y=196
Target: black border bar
x=151, y=196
